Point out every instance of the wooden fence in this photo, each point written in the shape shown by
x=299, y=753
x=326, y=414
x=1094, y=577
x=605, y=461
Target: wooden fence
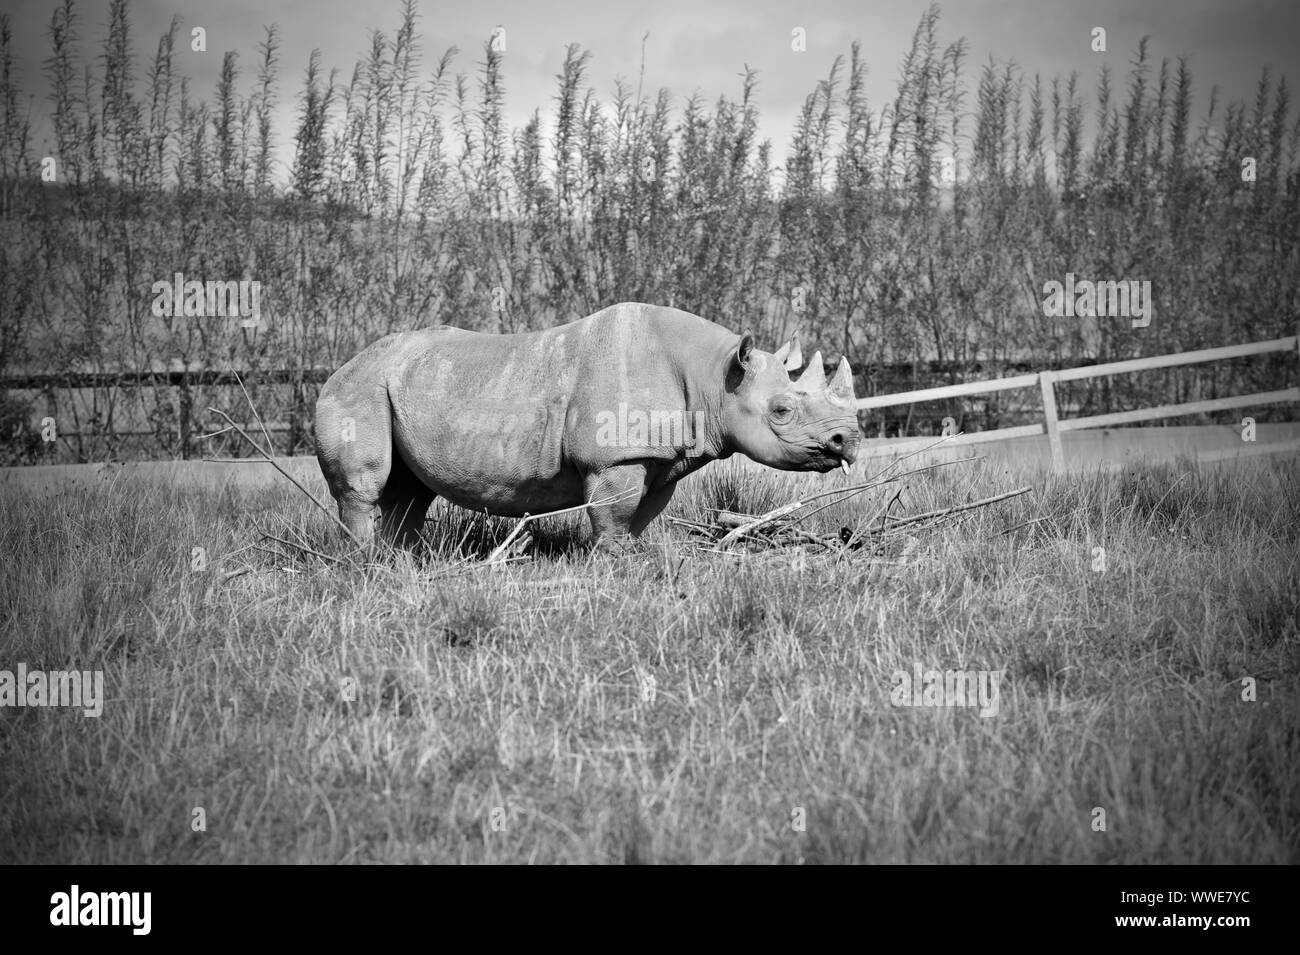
x=1052, y=424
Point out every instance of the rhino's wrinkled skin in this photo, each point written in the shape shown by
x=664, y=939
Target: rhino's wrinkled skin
x=539, y=421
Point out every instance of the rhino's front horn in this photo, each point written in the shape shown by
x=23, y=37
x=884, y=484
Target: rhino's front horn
x=841, y=386
x=814, y=379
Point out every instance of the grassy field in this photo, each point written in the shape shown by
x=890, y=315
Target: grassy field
x=670, y=705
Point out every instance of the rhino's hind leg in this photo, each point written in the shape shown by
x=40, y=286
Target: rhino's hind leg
x=359, y=518
x=355, y=450
x=403, y=505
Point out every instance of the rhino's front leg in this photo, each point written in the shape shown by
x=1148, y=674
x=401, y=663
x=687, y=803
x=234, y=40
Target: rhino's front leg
x=621, y=489
x=651, y=506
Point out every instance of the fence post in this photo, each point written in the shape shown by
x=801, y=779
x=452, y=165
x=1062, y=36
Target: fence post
x=1045, y=380
x=187, y=409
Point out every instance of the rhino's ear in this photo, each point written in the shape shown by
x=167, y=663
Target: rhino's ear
x=744, y=356
x=745, y=350
x=742, y=359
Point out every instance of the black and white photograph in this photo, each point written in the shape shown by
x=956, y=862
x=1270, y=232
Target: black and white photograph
x=596, y=432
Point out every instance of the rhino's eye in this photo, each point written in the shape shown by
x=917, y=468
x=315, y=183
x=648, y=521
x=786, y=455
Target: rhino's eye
x=781, y=409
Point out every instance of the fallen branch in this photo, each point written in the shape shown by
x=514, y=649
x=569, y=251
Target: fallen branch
x=1029, y=523
x=945, y=511
x=695, y=525
x=778, y=526
x=909, y=473
x=876, y=481
x=768, y=518
x=300, y=547
x=732, y=519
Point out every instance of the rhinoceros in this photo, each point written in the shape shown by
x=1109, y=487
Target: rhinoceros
x=613, y=410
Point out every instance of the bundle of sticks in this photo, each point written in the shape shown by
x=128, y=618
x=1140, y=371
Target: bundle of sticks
x=784, y=526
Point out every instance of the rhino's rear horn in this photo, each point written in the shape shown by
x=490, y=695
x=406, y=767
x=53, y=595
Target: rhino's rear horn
x=814, y=379
x=841, y=385
x=790, y=355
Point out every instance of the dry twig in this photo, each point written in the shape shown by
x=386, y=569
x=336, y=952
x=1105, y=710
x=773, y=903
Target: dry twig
x=956, y=508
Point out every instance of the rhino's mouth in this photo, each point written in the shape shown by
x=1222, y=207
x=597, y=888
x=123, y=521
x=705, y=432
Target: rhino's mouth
x=821, y=457
x=824, y=460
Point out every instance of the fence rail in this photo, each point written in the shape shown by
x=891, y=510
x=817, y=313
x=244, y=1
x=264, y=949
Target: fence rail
x=1053, y=425
x=170, y=377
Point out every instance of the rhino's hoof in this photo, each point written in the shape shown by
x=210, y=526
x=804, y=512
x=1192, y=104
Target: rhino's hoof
x=616, y=546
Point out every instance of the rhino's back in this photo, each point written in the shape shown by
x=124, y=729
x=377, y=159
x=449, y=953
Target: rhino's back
x=626, y=352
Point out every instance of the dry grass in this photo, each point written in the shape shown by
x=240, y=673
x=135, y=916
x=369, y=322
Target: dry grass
x=670, y=705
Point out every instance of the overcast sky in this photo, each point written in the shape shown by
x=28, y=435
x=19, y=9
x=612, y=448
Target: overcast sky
x=700, y=45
